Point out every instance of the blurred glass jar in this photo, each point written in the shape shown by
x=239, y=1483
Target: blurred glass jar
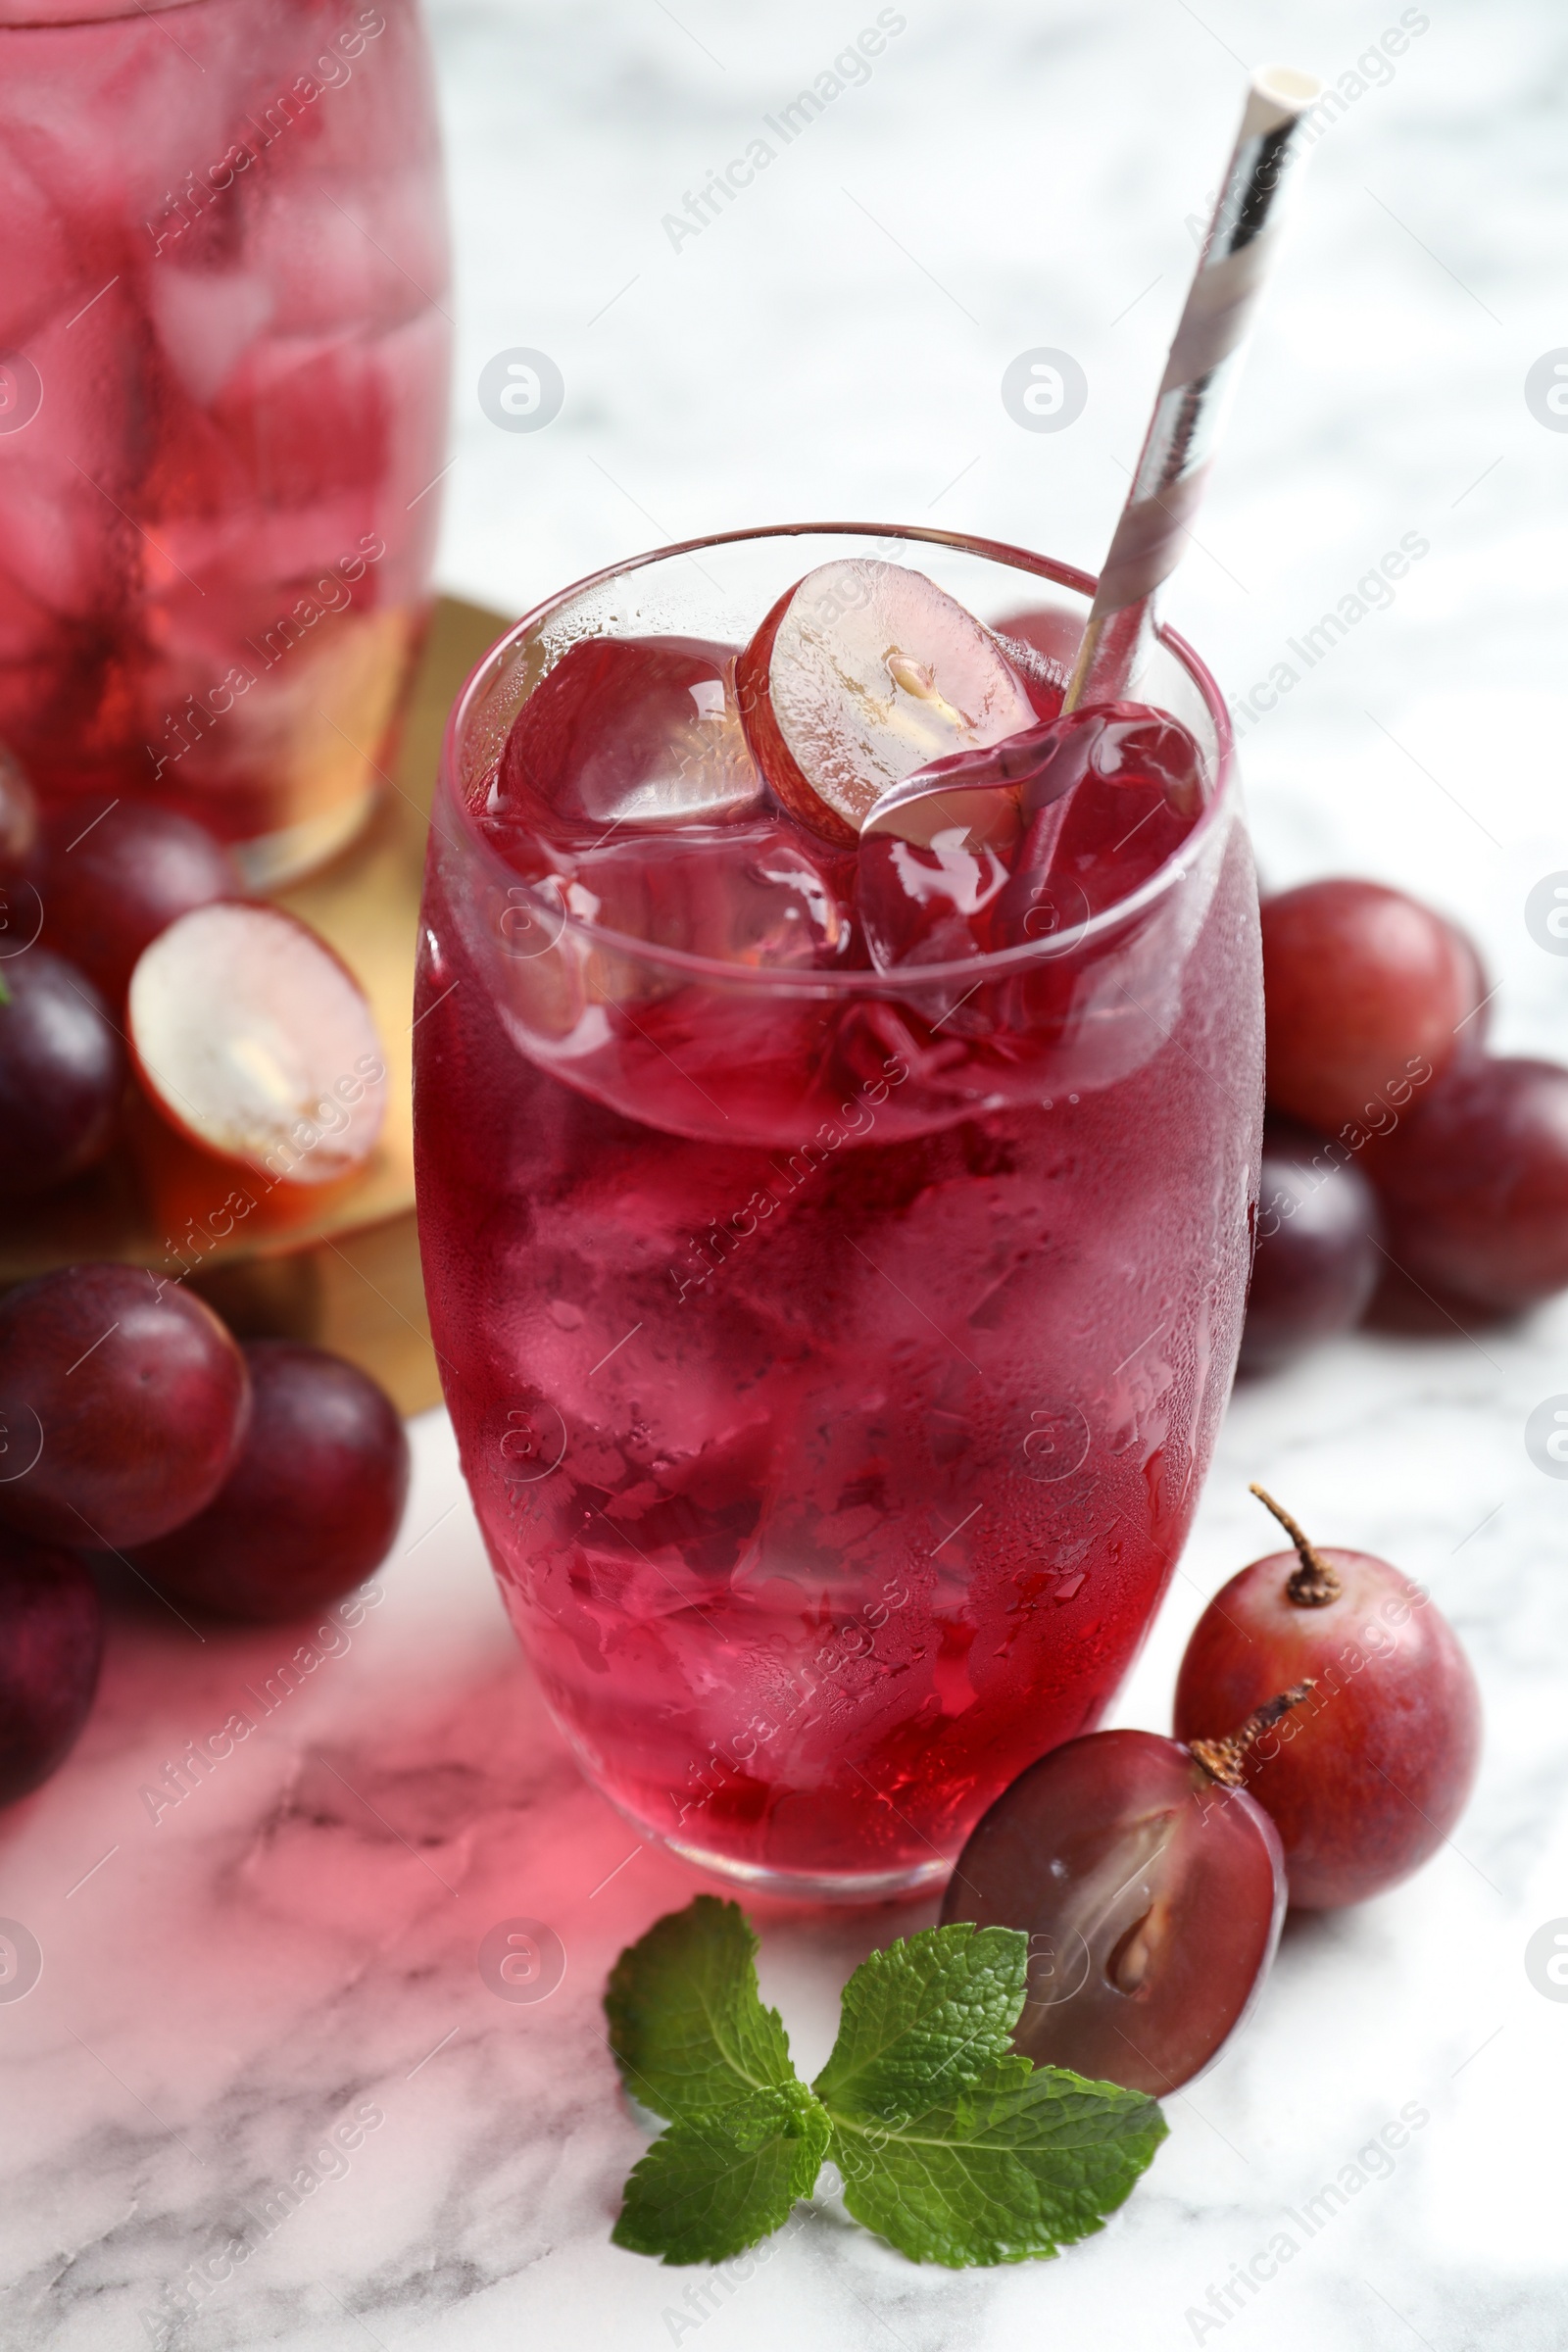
x=224, y=383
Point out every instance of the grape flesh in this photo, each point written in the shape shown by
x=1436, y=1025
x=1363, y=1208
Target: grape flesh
x=312, y=1503
x=110, y=886
x=1153, y=1898
x=51, y=1641
x=1475, y=1184
x=62, y=1074
x=1365, y=1779
x=134, y=1396
x=1317, y=1258
x=1364, y=990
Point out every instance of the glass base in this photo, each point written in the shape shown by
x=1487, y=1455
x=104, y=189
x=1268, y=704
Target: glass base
x=811, y=1886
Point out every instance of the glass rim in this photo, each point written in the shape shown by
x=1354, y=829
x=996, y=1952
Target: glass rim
x=794, y=981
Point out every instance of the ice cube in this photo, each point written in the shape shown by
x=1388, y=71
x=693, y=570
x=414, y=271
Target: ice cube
x=411, y=367
x=925, y=904
x=67, y=480
x=306, y=415
x=1042, y=643
x=206, y=319
x=43, y=261
x=149, y=100
x=1121, y=794
x=629, y=732
x=755, y=894
x=342, y=251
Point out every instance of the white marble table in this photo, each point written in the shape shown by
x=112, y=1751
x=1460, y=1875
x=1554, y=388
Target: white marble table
x=290, y=1947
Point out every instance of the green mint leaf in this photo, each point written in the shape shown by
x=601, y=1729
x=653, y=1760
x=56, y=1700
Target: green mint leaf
x=953, y=2149
x=708, y=2188
x=923, y=2016
x=687, y=2025
x=1005, y=2167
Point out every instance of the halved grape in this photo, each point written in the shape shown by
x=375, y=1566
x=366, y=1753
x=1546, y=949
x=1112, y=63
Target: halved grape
x=861, y=673
x=1152, y=1896
x=255, y=1040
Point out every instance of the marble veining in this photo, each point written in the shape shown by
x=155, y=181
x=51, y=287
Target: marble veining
x=262, y=2094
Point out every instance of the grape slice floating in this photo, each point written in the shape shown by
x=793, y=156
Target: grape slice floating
x=255, y=1041
x=862, y=672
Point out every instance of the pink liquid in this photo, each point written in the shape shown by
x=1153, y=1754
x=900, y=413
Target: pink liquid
x=223, y=391
x=834, y=1388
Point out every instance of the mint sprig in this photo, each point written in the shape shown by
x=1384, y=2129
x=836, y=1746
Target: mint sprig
x=951, y=2146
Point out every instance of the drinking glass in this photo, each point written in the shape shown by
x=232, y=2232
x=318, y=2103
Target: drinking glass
x=835, y=1356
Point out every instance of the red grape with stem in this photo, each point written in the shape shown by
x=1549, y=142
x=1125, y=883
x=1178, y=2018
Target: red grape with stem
x=51, y=1641
x=1152, y=1889
x=112, y=878
x=1363, y=990
x=312, y=1503
x=132, y=1392
x=1475, y=1184
x=62, y=1074
x=1317, y=1259
x=1366, y=1783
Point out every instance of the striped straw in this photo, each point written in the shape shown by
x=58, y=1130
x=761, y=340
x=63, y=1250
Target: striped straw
x=1204, y=358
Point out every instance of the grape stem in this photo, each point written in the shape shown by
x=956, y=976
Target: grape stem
x=1223, y=1759
x=1314, y=1584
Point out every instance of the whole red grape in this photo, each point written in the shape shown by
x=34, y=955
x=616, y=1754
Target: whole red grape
x=312, y=1503
x=1317, y=1261
x=62, y=1073
x=1475, y=1184
x=51, y=1640
x=112, y=878
x=134, y=1398
x=1364, y=990
x=1470, y=1036
x=1365, y=1780
x=1152, y=1889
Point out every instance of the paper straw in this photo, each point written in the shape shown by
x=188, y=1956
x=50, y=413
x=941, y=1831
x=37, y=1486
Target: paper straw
x=1204, y=358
